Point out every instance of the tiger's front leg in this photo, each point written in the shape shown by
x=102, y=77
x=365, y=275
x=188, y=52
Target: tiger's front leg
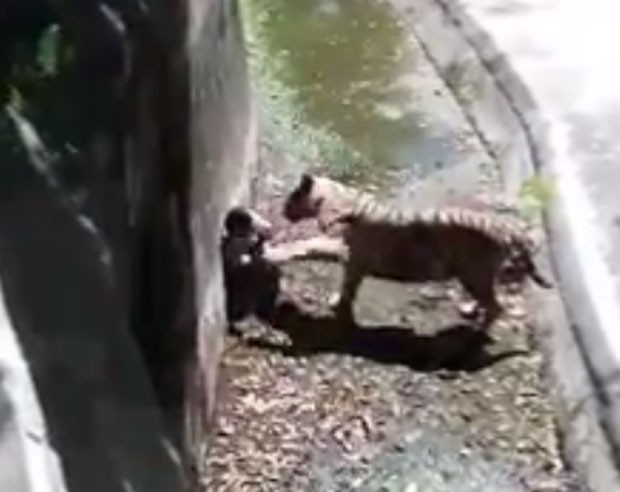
x=351, y=283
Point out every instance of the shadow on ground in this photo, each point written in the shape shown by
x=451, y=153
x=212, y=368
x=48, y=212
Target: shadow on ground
x=456, y=347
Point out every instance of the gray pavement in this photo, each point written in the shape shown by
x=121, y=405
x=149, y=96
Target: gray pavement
x=546, y=91
x=502, y=410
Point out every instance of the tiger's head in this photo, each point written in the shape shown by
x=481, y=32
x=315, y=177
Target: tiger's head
x=305, y=201
x=318, y=197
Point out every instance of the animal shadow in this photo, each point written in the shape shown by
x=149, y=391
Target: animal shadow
x=458, y=347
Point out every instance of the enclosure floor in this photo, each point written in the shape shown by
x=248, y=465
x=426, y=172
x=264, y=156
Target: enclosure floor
x=415, y=399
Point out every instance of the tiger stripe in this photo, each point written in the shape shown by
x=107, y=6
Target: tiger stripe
x=474, y=246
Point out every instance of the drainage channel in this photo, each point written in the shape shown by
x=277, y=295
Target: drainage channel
x=342, y=86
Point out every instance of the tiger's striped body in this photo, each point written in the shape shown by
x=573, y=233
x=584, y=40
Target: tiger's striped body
x=418, y=246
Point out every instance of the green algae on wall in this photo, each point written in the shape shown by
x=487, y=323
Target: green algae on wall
x=327, y=75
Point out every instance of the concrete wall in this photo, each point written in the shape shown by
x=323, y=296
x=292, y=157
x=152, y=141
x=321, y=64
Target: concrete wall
x=111, y=318
x=224, y=149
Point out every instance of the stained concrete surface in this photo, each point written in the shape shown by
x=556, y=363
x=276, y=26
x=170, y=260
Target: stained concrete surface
x=342, y=86
x=315, y=415
x=548, y=71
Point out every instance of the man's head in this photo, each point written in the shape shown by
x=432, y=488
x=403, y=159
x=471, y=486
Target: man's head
x=245, y=232
x=243, y=222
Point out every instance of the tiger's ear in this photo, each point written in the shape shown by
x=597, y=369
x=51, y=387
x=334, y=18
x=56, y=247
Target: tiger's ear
x=307, y=181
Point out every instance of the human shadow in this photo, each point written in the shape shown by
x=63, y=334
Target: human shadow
x=459, y=347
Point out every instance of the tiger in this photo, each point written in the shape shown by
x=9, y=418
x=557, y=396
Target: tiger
x=436, y=244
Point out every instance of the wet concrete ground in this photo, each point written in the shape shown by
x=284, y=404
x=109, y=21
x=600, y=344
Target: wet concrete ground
x=343, y=86
x=414, y=398
x=415, y=401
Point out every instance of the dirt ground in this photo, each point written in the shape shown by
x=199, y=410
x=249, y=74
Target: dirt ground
x=414, y=401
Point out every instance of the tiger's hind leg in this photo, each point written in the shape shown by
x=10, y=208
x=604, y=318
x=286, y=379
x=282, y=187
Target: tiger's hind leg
x=351, y=282
x=479, y=282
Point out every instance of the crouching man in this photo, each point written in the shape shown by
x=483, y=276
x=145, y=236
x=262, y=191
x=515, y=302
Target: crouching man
x=252, y=282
